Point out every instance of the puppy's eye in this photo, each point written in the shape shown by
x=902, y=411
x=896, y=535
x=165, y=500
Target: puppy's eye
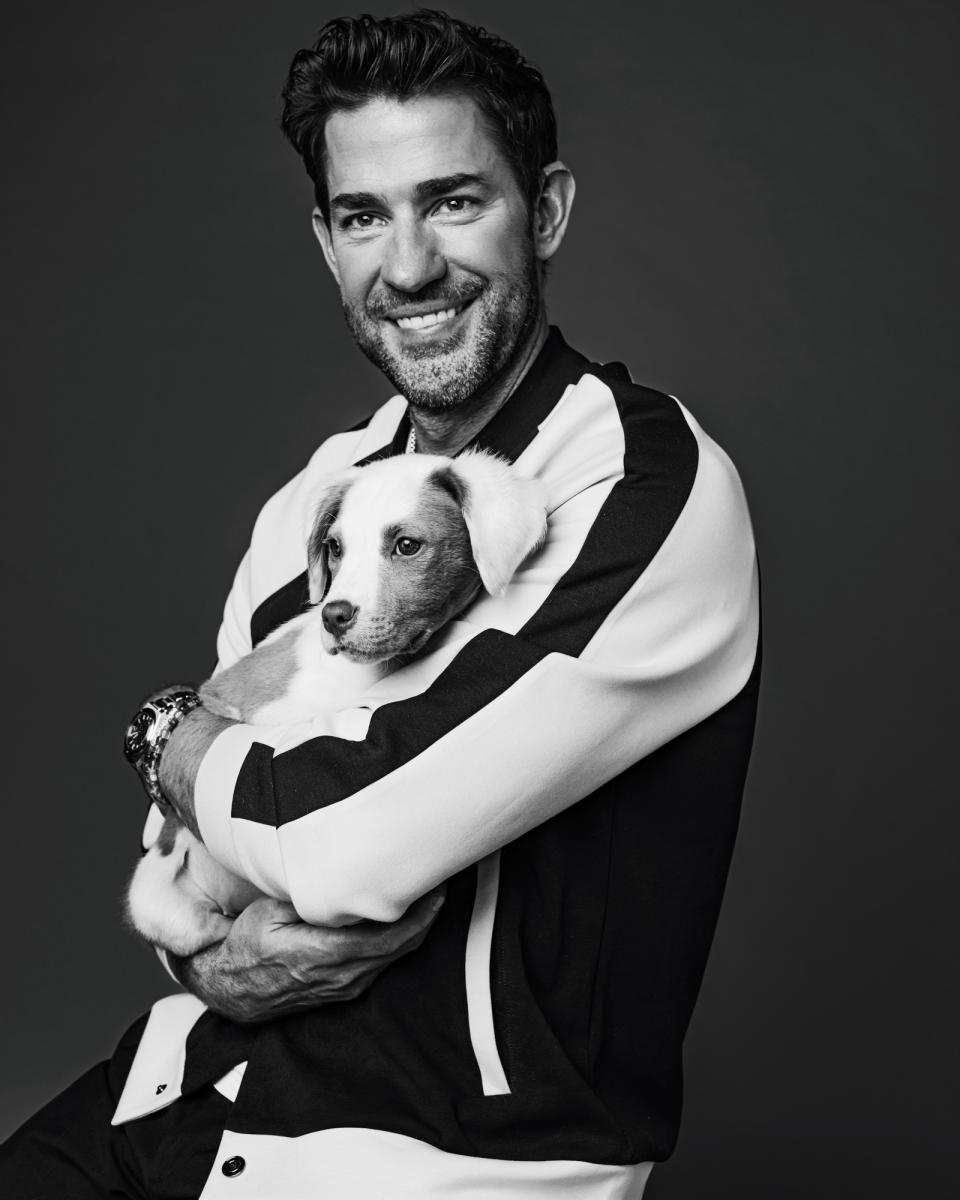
x=407, y=547
x=333, y=547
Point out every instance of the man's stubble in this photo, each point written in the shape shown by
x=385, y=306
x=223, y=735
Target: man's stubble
x=448, y=373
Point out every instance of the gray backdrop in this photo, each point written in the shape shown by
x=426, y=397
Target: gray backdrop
x=764, y=227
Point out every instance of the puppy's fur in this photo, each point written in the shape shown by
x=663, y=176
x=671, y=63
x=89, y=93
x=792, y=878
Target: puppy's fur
x=397, y=549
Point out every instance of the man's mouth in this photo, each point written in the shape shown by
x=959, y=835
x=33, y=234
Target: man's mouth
x=428, y=320
x=415, y=318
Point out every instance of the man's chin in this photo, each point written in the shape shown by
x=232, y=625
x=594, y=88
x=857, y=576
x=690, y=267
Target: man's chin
x=437, y=375
x=435, y=372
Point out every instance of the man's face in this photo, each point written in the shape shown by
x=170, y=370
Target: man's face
x=430, y=240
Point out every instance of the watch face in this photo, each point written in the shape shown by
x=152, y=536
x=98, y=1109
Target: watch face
x=137, y=732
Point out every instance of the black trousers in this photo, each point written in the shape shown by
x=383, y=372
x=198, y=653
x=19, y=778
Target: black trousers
x=70, y=1151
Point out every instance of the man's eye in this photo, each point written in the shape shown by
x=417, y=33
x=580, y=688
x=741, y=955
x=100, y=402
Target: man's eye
x=407, y=547
x=455, y=205
x=333, y=547
x=358, y=222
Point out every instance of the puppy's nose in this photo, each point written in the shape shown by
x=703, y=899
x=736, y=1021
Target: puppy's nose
x=338, y=616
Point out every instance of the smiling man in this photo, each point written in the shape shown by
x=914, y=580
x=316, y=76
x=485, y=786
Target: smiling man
x=440, y=272
x=564, y=762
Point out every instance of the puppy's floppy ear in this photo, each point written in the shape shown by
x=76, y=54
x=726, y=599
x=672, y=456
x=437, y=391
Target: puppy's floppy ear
x=505, y=513
x=328, y=501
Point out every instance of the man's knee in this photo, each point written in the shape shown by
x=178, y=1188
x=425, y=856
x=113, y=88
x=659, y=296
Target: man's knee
x=67, y=1148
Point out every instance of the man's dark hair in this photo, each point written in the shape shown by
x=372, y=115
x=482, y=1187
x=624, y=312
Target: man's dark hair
x=357, y=59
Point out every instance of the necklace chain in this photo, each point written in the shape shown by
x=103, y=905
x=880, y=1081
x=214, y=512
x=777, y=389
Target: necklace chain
x=412, y=440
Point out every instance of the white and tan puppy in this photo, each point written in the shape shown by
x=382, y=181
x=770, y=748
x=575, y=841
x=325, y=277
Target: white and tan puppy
x=397, y=549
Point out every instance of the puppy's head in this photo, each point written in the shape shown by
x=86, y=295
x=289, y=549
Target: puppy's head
x=400, y=546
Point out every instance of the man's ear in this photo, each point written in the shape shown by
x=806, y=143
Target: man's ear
x=321, y=231
x=328, y=502
x=505, y=513
x=553, y=209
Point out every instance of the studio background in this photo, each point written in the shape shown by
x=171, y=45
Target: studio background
x=765, y=227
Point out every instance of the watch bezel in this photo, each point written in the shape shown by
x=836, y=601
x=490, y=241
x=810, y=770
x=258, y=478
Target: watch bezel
x=137, y=738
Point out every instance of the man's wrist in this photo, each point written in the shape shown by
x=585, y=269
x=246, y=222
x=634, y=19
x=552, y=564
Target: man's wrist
x=149, y=732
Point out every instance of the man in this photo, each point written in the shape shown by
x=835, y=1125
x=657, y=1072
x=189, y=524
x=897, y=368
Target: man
x=569, y=766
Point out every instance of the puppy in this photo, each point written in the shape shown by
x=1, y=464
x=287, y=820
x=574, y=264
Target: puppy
x=397, y=549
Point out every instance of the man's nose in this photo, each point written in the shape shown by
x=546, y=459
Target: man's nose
x=413, y=258
x=338, y=616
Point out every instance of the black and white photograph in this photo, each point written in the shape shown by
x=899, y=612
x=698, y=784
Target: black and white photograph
x=482, y=542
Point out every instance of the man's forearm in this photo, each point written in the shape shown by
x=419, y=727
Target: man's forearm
x=271, y=963
x=182, y=757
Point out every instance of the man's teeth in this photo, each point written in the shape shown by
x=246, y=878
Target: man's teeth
x=427, y=319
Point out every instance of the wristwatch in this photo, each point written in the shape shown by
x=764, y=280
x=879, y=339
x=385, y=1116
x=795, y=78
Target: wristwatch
x=149, y=732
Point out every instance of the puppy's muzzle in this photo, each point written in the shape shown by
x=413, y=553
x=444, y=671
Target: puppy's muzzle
x=339, y=616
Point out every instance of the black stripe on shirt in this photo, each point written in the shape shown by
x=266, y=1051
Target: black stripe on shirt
x=273, y=791
x=660, y=464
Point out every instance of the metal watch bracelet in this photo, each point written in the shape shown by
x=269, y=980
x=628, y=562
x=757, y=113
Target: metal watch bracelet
x=148, y=734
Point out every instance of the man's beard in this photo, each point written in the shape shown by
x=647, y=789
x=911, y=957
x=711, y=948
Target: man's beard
x=450, y=371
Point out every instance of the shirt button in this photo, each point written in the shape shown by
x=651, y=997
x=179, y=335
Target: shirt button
x=233, y=1166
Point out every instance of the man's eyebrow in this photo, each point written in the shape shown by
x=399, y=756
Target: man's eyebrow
x=447, y=183
x=428, y=189
x=357, y=200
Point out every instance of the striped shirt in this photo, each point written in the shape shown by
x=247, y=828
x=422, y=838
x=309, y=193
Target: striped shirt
x=570, y=755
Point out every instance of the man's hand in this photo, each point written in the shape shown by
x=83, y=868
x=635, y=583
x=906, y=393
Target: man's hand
x=272, y=963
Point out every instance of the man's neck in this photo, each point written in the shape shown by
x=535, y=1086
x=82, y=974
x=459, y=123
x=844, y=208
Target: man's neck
x=448, y=431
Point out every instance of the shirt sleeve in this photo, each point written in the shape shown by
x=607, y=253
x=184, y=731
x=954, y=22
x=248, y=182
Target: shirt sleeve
x=637, y=620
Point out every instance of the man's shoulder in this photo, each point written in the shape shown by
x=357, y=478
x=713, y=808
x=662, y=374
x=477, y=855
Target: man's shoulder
x=633, y=399
x=653, y=422
x=605, y=394
x=604, y=420
x=642, y=445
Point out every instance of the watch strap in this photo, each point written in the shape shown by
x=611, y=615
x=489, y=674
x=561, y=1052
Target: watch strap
x=164, y=713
